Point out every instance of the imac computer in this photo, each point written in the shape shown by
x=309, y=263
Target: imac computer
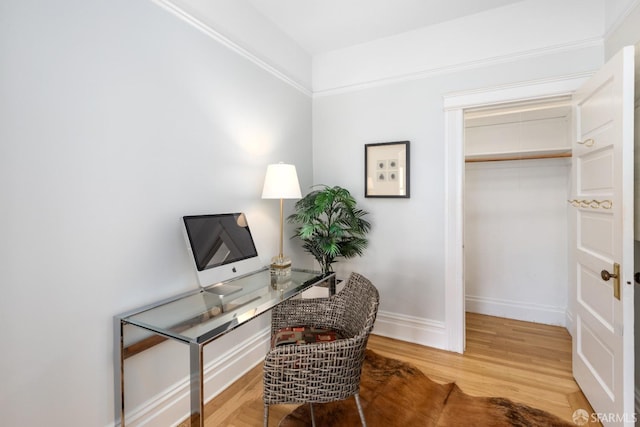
x=221, y=247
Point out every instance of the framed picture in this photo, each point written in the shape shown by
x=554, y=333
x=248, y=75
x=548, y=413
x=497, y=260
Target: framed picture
x=386, y=169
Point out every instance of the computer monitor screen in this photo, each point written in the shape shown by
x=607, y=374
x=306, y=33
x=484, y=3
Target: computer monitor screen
x=220, y=240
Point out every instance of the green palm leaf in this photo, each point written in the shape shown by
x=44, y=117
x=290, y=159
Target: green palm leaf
x=330, y=225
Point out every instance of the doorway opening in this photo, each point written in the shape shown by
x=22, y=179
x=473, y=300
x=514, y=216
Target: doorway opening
x=456, y=107
x=600, y=312
x=516, y=186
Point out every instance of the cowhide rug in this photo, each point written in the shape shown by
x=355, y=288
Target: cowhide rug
x=394, y=393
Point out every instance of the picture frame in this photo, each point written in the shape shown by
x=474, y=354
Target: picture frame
x=386, y=170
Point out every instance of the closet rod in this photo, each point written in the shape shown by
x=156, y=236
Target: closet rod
x=519, y=157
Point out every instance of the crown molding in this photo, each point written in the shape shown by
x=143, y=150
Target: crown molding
x=620, y=20
x=230, y=44
x=388, y=80
x=463, y=66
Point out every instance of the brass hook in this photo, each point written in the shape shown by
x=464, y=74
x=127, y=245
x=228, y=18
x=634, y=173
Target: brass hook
x=587, y=142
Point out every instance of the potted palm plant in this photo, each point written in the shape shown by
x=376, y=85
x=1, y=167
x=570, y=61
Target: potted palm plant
x=330, y=225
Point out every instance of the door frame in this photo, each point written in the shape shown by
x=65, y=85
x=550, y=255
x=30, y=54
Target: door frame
x=454, y=106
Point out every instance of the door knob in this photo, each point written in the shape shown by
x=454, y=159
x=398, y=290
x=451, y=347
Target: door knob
x=606, y=275
x=636, y=277
x=616, y=279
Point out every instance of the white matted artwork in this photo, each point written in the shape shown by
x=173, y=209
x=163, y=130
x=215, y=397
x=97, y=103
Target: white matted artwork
x=386, y=169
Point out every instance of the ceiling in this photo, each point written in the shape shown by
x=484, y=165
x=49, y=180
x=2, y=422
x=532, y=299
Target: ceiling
x=323, y=25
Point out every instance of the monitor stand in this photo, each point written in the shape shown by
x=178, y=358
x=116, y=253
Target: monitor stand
x=222, y=289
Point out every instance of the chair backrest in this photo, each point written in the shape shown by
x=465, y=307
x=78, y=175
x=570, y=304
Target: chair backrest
x=359, y=300
x=326, y=371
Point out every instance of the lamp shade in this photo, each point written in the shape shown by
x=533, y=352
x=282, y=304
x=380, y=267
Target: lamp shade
x=281, y=182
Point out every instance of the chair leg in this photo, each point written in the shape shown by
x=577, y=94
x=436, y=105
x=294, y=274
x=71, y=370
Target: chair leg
x=266, y=415
x=360, y=411
x=313, y=418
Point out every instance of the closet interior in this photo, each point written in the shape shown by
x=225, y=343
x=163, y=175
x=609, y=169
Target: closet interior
x=517, y=182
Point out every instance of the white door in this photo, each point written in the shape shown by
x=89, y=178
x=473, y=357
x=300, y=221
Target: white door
x=602, y=200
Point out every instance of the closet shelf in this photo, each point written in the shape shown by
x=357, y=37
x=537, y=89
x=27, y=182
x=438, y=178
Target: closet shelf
x=519, y=155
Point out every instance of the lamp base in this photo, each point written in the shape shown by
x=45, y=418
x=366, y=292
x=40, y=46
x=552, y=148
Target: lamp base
x=280, y=272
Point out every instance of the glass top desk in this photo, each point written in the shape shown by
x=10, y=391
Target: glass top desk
x=200, y=316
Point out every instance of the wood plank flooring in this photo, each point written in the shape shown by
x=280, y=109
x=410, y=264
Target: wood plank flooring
x=526, y=362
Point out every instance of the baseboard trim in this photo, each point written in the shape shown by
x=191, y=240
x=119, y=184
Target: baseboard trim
x=538, y=313
x=168, y=407
x=412, y=329
x=569, y=322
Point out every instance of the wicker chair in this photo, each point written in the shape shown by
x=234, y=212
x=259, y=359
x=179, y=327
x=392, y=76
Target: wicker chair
x=326, y=371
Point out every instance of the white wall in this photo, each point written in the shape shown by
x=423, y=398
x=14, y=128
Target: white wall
x=117, y=118
x=406, y=256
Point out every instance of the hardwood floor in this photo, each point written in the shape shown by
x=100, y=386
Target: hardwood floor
x=526, y=362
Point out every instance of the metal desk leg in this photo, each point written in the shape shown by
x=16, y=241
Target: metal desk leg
x=121, y=373
x=197, y=385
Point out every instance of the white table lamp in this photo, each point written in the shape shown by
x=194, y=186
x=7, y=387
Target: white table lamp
x=281, y=182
